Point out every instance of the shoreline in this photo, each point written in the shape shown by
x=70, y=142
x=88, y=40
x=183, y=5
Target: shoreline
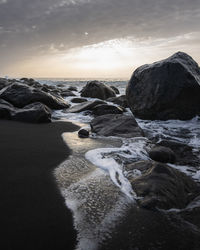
x=33, y=212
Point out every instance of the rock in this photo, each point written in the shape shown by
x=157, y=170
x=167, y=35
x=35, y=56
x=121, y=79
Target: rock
x=96, y=89
x=83, y=133
x=162, y=154
x=163, y=187
x=3, y=83
x=21, y=95
x=103, y=109
x=116, y=125
x=115, y=89
x=31, y=82
x=61, y=85
x=66, y=93
x=184, y=153
x=78, y=100
x=168, y=89
x=120, y=100
x=5, y=109
x=34, y=113
x=72, y=88
x=84, y=106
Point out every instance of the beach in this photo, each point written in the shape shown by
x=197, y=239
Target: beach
x=33, y=212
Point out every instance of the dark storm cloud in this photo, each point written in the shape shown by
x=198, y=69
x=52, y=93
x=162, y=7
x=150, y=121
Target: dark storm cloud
x=29, y=27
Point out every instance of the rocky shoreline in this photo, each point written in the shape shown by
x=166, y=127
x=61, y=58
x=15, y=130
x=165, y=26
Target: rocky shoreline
x=163, y=215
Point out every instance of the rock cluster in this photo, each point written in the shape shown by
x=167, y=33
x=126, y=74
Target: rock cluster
x=29, y=101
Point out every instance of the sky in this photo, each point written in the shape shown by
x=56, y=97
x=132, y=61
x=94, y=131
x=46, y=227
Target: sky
x=94, y=38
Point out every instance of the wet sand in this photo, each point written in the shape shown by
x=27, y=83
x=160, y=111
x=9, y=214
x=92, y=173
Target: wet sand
x=33, y=214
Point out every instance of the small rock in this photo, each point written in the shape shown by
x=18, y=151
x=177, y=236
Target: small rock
x=120, y=100
x=103, y=109
x=72, y=88
x=96, y=89
x=162, y=154
x=83, y=133
x=78, y=100
x=115, y=89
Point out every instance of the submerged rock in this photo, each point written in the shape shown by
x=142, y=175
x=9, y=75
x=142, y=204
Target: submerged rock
x=162, y=154
x=66, y=93
x=21, y=95
x=168, y=89
x=78, y=100
x=96, y=89
x=116, y=125
x=162, y=186
x=72, y=88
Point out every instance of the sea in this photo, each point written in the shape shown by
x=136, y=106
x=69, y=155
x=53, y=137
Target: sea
x=187, y=132
x=87, y=190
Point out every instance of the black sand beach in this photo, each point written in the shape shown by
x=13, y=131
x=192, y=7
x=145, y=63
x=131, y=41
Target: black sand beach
x=33, y=213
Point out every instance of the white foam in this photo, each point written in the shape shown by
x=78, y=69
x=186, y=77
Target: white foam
x=104, y=159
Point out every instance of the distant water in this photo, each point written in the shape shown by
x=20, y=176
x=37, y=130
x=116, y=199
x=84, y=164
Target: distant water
x=112, y=159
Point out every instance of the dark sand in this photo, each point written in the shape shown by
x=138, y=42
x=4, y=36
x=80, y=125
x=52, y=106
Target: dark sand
x=32, y=211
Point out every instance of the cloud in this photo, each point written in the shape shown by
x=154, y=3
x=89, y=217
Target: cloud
x=52, y=26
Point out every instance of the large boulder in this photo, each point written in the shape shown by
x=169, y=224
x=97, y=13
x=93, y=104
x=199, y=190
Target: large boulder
x=168, y=89
x=161, y=186
x=96, y=89
x=116, y=125
x=21, y=95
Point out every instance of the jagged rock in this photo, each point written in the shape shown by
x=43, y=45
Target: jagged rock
x=84, y=106
x=96, y=89
x=116, y=125
x=21, y=95
x=162, y=186
x=168, y=89
x=115, y=89
x=120, y=100
x=103, y=109
x=162, y=154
